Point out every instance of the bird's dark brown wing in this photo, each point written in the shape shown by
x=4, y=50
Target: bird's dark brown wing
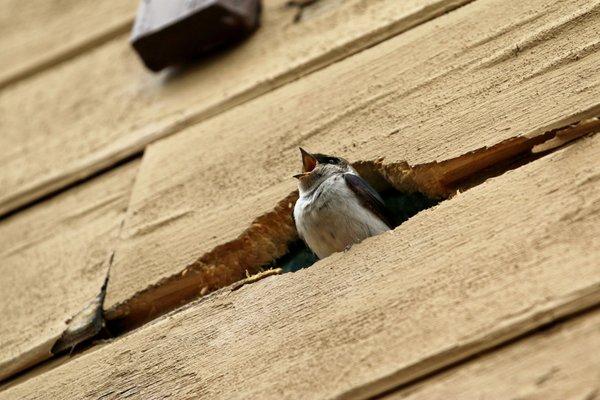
x=369, y=197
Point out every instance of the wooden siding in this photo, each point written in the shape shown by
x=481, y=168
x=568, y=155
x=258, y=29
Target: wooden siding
x=447, y=97
x=553, y=365
x=105, y=106
x=40, y=34
x=493, y=263
x=54, y=262
x=413, y=99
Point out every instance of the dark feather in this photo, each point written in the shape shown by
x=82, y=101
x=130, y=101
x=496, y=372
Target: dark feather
x=369, y=197
x=325, y=159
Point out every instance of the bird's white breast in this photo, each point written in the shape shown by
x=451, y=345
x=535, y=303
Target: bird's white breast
x=331, y=218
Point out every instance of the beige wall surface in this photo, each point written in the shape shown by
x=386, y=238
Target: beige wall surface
x=54, y=262
x=490, y=264
x=552, y=365
x=38, y=34
x=447, y=97
x=412, y=99
x=102, y=106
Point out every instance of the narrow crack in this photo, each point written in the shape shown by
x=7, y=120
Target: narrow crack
x=83, y=330
x=268, y=238
x=270, y=246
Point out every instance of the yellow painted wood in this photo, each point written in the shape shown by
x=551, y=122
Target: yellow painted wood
x=54, y=261
x=414, y=98
x=554, y=365
x=87, y=114
x=39, y=34
x=493, y=263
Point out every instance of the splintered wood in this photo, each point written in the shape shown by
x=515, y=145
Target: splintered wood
x=54, y=264
x=413, y=99
x=106, y=107
x=568, y=134
x=495, y=262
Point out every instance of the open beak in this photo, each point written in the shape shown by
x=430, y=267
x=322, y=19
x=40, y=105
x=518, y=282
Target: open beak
x=309, y=162
x=298, y=176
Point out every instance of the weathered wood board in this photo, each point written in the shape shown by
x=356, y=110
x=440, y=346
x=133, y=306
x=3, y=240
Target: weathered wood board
x=98, y=108
x=554, y=365
x=39, y=34
x=499, y=260
x=54, y=261
x=413, y=98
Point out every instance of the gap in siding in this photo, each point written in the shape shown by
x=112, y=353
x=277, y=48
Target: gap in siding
x=271, y=242
x=406, y=190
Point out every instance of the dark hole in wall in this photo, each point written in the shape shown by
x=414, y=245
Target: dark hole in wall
x=402, y=206
x=298, y=256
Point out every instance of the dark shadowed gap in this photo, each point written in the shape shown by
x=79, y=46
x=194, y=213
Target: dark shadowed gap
x=401, y=205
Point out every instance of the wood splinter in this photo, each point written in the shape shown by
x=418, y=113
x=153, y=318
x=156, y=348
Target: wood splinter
x=256, y=277
x=568, y=134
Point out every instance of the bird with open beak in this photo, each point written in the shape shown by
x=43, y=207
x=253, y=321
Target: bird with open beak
x=336, y=207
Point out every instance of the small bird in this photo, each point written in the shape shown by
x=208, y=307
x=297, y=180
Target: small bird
x=336, y=207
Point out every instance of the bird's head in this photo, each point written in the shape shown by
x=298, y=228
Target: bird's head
x=316, y=168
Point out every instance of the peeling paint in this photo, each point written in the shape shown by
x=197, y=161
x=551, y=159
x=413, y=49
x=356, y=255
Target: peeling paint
x=85, y=324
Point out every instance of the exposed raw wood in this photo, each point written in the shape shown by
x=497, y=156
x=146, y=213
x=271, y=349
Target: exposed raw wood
x=54, y=264
x=415, y=100
x=558, y=364
x=494, y=262
x=87, y=114
x=564, y=136
x=39, y=34
x=222, y=263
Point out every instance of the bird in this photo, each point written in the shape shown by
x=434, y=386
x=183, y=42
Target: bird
x=336, y=207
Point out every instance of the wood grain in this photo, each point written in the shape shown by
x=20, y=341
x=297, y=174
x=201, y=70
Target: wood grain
x=555, y=365
x=414, y=100
x=54, y=262
x=87, y=114
x=499, y=260
x=40, y=34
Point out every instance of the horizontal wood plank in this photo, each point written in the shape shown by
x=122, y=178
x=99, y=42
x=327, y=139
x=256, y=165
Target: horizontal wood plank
x=40, y=34
x=513, y=253
x=413, y=98
x=554, y=365
x=54, y=261
x=87, y=114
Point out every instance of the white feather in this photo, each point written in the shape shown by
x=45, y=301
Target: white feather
x=330, y=218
